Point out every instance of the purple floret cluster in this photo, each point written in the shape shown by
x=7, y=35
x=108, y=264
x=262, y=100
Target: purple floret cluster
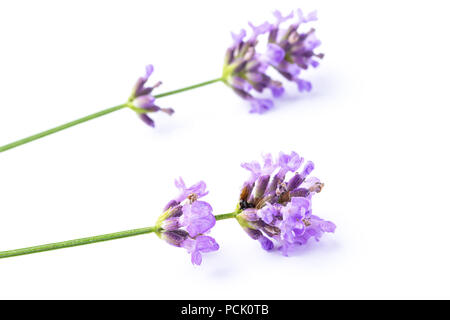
x=276, y=211
x=142, y=101
x=186, y=221
x=273, y=208
x=288, y=51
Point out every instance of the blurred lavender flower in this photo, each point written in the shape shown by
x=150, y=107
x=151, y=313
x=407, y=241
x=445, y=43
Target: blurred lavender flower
x=289, y=51
x=142, y=101
x=186, y=220
x=277, y=211
x=244, y=70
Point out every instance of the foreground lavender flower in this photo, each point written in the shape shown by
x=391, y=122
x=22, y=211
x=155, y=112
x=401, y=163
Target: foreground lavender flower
x=274, y=209
x=289, y=51
x=186, y=220
x=142, y=101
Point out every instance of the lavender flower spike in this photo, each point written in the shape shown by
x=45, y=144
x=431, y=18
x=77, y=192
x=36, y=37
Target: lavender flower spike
x=142, y=101
x=186, y=221
x=289, y=51
x=277, y=211
x=244, y=70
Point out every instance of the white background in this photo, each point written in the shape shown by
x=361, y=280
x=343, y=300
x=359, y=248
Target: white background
x=375, y=124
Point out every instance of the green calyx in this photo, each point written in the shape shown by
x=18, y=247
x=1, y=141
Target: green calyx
x=136, y=109
x=227, y=72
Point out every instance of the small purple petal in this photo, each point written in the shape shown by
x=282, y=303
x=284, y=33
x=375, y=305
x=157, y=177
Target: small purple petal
x=254, y=77
x=328, y=226
x=290, y=162
x=261, y=105
x=239, y=37
x=309, y=167
x=199, y=245
x=261, y=185
x=303, y=85
x=145, y=102
x=267, y=213
x=169, y=111
x=275, y=54
x=176, y=238
x=206, y=244
x=294, y=182
x=199, y=189
x=196, y=258
x=249, y=214
x=314, y=63
x=197, y=218
x=239, y=83
x=147, y=120
x=293, y=69
x=277, y=90
x=259, y=30
x=170, y=204
x=280, y=19
x=312, y=16
x=266, y=244
x=311, y=42
x=254, y=167
x=148, y=71
x=170, y=224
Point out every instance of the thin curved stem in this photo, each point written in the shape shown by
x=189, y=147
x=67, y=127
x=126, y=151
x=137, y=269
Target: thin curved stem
x=60, y=128
x=94, y=239
x=94, y=116
x=76, y=242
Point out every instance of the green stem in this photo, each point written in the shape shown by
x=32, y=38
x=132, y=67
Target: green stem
x=95, y=115
x=76, y=242
x=226, y=216
x=60, y=128
x=94, y=239
x=195, y=86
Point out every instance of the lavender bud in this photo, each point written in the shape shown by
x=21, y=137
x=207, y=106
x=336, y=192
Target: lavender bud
x=175, y=237
x=261, y=186
x=170, y=224
x=300, y=192
x=295, y=181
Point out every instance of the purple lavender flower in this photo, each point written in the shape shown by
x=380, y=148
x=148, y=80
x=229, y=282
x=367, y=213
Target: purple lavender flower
x=289, y=51
x=244, y=70
x=277, y=211
x=186, y=220
x=142, y=101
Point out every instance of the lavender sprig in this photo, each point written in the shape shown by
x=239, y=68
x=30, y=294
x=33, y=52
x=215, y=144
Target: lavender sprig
x=245, y=70
x=137, y=105
x=272, y=209
x=184, y=223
